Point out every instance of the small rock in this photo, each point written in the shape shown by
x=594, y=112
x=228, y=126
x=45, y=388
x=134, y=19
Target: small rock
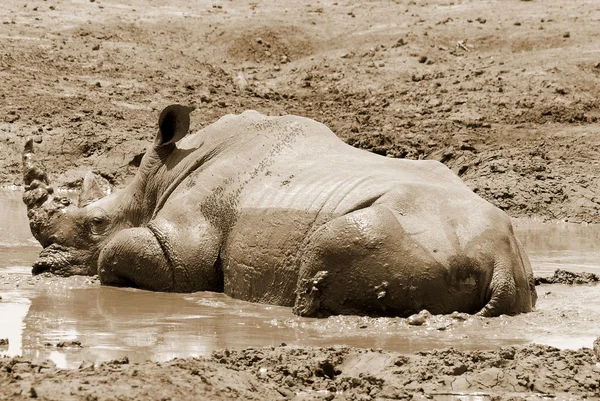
x=241, y=81
x=435, y=102
x=402, y=360
x=419, y=319
x=422, y=59
x=69, y=344
x=561, y=91
x=122, y=361
x=517, y=24
x=458, y=370
x=259, y=41
x=567, y=35
x=11, y=117
x=32, y=393
x=325, y=368
x=399, y=42
x=286, y=393
x=96, y=47
x=3, y=342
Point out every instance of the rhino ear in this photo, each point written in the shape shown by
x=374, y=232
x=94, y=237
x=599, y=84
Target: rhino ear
x=173, y=124
x=92, y=189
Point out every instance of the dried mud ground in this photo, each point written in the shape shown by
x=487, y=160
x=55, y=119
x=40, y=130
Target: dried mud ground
x=503, y=92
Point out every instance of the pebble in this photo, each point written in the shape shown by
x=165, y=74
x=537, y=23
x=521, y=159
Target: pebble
x=419, y=319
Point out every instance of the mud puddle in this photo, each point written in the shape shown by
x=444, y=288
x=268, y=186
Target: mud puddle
x=75, y=319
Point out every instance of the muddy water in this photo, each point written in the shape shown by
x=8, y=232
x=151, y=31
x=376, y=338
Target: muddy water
x=37, y=314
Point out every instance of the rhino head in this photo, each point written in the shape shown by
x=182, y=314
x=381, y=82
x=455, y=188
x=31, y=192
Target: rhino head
x=73, y=234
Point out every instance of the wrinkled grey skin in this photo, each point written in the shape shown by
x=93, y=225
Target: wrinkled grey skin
x=279, y=210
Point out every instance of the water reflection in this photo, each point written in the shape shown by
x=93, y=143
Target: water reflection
x=13, y=309
x=37, y=314
x=112, y=322
x=573, y=247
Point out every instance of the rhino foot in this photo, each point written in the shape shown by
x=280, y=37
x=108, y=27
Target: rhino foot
x=308, y=295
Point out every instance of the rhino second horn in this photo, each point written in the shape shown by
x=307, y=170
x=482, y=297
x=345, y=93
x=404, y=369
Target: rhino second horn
x=91, y=190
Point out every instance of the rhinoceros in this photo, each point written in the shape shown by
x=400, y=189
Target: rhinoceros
x=279, y=210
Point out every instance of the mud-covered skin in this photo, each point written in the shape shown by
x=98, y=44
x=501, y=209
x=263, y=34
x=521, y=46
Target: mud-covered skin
x=279, y=210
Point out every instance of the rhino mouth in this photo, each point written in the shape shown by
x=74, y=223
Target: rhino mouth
x=61, y=261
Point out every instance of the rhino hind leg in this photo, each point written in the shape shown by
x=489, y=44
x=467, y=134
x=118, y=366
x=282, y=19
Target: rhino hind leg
x=364, y=263
x=512, y=287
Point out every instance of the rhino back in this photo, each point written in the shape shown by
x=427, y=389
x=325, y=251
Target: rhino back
x=253, y=162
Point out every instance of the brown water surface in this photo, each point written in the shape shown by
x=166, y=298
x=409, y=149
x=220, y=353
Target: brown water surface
x=39, y=313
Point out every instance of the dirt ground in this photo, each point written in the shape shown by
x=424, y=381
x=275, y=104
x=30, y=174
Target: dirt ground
x=503, y=92
x=335, y=373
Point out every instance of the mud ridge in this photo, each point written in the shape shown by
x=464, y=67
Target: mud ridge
x=566, y=277
x=315, y=374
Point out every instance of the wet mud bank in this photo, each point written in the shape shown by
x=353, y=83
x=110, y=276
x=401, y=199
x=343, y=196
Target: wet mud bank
x=342, y=373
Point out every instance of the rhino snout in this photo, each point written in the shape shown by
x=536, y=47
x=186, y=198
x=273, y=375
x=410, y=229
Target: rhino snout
x=63, y=261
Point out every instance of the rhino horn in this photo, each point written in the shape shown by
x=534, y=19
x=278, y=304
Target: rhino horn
x=37, y=185
x=38, y=195
x=92, y=189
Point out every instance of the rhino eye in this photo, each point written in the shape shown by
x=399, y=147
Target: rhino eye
x=98, y=224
